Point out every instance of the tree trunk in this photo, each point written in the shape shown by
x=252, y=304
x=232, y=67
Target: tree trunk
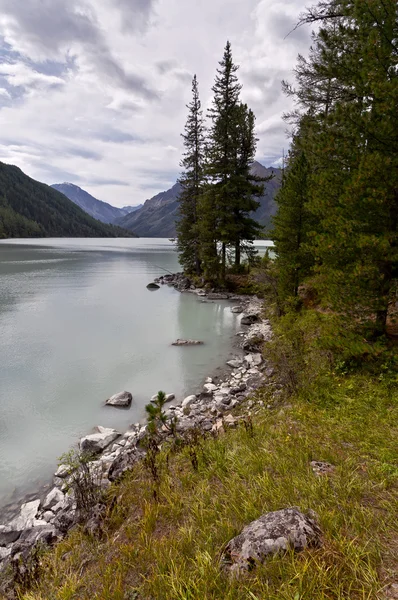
x=223, y=261
x=237, y=254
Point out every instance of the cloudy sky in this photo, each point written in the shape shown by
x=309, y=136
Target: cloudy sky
x=93, y=91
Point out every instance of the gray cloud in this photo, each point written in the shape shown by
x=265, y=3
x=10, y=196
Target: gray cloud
x=103, y=181
x=51, y=27
x=95, y=91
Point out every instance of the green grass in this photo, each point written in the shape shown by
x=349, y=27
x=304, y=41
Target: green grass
x=171, y=549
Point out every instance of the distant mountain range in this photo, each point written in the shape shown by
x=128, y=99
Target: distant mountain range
x=158, y=216
x=96, y=208
x=32, y=209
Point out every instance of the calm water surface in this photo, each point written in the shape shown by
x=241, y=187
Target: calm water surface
x=77, y=325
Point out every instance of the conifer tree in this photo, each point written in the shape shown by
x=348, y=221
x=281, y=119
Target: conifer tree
x=353, y=151
x=222, y=149
x=244, y=229
x=191, y=181
x=292, y=224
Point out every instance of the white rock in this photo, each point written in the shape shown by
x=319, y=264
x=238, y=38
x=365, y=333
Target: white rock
x=188, y=401
x=208, y=380
x=97, y=442
x=48, y=516
x=235, y=363
x=62, y=471
x=4, y=553
x=253, y=360
x=209, y=388
x=26, y=518
x=123, y=399
x=53, y=498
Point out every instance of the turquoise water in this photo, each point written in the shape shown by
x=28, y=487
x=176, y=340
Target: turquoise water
x=77, y=325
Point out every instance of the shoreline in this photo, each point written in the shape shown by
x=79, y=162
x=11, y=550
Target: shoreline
x=49, y=513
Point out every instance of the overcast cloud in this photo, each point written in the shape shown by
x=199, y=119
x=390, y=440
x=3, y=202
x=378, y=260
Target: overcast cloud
x=94, y=91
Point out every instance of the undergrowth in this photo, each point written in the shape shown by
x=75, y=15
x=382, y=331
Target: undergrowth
x=171, y=548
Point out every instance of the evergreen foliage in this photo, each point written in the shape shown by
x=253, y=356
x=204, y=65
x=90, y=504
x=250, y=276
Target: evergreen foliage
x=32, y=209
x=347, y=132
x=219, y=190
x=191, y=182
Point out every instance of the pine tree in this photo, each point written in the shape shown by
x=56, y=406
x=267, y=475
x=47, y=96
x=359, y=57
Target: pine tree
x=292, y=224
x=353, y=151
x=191, y=181
x=244, y=229
x=222, y=149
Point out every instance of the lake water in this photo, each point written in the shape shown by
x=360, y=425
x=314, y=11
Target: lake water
x=77, y=325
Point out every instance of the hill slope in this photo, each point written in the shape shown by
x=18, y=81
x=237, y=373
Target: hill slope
x=96, y=208
x=158, y=216
x=32, y=209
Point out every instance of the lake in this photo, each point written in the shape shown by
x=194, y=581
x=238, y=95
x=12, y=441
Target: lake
x=77, y=325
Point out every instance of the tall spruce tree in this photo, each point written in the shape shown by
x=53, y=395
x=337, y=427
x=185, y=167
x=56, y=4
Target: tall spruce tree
x=244, y=229
x=191, y=180
x=293, y=223
x=222, y=149
x=353, y=151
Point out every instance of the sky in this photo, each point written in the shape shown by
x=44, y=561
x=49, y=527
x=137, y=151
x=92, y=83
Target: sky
x=94, y=92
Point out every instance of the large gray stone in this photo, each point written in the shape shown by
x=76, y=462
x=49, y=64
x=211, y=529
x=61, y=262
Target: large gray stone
x=53, y=498
x=26, y=519
x=271, y=534
x=4, y=553
x=97, y=442
x=253, y=360
x=188, y=401
x=122, y=399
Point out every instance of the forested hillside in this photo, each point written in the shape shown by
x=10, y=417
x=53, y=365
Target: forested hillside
x=32, y=209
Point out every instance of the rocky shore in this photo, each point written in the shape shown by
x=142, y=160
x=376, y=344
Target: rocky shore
x=47, y=521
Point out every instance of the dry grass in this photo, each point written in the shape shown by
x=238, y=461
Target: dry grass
x=170, y=549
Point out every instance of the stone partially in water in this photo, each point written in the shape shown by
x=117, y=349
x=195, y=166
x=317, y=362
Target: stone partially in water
x=271, y=534
x=153, y=286
x=122, y=399
x=187, y=343
x=97, y=442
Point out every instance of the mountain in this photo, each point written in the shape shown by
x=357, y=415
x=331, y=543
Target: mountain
x=96, y=208
x=32, y=209
x=158, y=215
x=129, y=209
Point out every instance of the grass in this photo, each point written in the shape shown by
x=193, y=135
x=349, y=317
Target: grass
x=170, y=549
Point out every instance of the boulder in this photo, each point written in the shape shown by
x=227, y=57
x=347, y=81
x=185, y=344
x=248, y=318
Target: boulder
x=249, y=319
x=26, y=519
x=235, y=363
x=124, y=462
x=187, y=343
x=271, y=534
x=217, y=296
x=209, y=388
x=188, y=401
x=237, y=309
x=122, y=399
x=4, y=553
x=63, y=471
x=44, y=534
x=97, y=442
x=153, y=286
x=54, y=497
x=253, y=360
